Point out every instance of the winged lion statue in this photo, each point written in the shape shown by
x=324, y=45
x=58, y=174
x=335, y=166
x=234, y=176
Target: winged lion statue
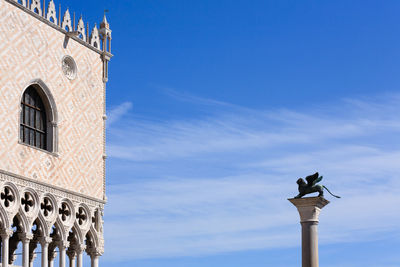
x=312, y=186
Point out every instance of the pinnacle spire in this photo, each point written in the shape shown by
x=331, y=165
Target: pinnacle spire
x=104, y=23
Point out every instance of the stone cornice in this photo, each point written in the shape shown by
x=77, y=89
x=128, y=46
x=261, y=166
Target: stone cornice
x=319, y=202
x=47, y=188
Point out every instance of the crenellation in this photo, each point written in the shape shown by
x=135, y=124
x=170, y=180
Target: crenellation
x=81, y=29
x=101, y=38
x=51, y=12
x=66, y=22
x=94, y=37
x=35, y=7
x=22, y=2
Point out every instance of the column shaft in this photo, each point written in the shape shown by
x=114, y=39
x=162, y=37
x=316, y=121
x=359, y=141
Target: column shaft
x=309, y=244
x=25, y=253
x=45, y=254
x=309, y=210
x=62, y=256
x=4, y=250
x=94, y=260
x=80, y=259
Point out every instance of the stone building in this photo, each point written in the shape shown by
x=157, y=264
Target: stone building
x=53, y=77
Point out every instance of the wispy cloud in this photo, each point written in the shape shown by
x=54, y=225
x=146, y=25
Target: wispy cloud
x=116, y=113
x=187, y=97
x=219, y=183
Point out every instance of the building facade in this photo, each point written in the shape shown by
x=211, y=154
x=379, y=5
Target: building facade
x=53, y=75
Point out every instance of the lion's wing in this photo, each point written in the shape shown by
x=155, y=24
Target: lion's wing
x=312, y=178
x=319, y=179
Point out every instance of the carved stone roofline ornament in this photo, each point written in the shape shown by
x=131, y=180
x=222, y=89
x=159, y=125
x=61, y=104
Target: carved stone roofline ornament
x=65, y=24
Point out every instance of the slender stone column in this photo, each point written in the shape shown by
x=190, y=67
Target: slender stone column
x=79, y=255
x=44, y=242
x=94, y=259
x=5, y=236
x=72, y=258
x=309, y=209
x=26, y=239
x=25, y=252
x=32, y=247
x=62, y=248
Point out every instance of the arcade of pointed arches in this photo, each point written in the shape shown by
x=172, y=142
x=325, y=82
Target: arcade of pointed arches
x=54, y=222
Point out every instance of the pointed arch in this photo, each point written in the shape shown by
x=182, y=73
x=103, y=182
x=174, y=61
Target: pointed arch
x=93, y=238
x=24, y=222
x=60, y=228
x=43, y=224
x=49, y=110
x=4, y=221
x=78, y=233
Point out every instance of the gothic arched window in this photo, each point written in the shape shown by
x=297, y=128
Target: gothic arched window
x=33, y=119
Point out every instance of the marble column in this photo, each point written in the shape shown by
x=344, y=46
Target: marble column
x=5, y=236
x=79, y=254
x=62, y=248
x=94, y=259
x=72, y=258
x=44, y=243
x=309, y=209
x=32, y=247
x=26, y=239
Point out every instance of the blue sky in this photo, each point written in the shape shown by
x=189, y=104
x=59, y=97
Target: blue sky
x=217, y=107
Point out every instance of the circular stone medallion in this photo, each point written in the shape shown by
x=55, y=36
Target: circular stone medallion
x=69, y=67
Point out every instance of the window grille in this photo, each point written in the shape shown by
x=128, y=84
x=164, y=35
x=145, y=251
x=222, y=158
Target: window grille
x=33, y=119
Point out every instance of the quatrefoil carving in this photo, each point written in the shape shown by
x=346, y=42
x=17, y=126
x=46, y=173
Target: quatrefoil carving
x=7, y=196
x=46, y=207
x=81, y=216
x=27, y=202
x=64, y=211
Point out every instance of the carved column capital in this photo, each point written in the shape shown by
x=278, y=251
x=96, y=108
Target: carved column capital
x=62, y=244
x=95, y=252
x=45, y=240
x=6, y=233
x=309, y=208
x=80, y=248
x=71, y=253
x=25, y=237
